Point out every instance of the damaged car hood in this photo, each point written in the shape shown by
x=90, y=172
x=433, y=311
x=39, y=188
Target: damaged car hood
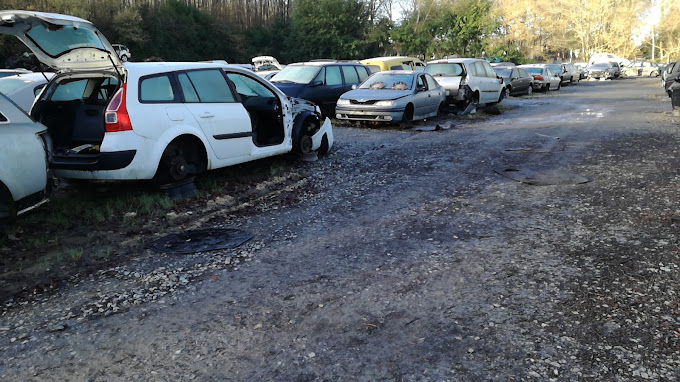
x=62, y=42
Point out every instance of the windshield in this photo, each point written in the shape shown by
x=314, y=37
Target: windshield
x=8, y=85
x=387, y=81
x=534, y=70
x=444, y=69
x=296, y=74
x=599, y=66
x=555, y=68
x=63, y=39
x=503, y=72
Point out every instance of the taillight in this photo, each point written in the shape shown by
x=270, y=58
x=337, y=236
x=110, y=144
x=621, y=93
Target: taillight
x=116, y=116
x=540, y=78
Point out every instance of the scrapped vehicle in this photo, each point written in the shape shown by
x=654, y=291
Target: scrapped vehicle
x=544, y=79
x=567, y=72
x=582, y=68
x=395, y=63
x=23, y=89
x=321, y=82
x=666, y=71
x=674, y=90
x=615, y=68
x=122, y=51
x=517, y=80
x=640, y=68
x=598, y=58
x=671, y=76
x=155, y=120
x=393, y=96
x=601, y=71
x=266, y=66
x=25, y=180
x=467, y=80
x=501, y=64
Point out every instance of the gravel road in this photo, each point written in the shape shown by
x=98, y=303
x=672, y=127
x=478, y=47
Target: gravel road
x=538, y=244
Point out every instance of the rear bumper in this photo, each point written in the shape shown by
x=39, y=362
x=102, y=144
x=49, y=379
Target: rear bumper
x=103, y=161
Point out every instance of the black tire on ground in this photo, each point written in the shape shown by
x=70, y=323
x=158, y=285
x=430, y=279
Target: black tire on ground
x=530, y=90
x=323, y=148
x=440, y=109
x=408, y=114
x=7, y=209
x=559, y=86
x=546, y=88
x=183, y=158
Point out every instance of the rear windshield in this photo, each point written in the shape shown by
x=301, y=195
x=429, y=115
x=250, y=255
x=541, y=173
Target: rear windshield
x=388, y=82
x=503, y=72
x=599, y=66
x=444, y=69
x=534, y=70
x=9, y=85
x=296, y=74
x=62, y=40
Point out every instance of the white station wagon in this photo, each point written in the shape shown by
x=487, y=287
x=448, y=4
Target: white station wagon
x=158, y=120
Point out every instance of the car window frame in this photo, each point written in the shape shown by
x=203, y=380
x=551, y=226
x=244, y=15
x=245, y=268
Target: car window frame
x=234, y=93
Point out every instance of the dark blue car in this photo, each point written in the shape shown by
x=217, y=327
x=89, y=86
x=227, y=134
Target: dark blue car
x=320, y=82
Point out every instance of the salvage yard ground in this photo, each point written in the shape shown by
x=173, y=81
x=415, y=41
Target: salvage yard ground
x=538, y=244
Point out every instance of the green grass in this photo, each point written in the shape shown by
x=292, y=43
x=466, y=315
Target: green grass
x=74, y=254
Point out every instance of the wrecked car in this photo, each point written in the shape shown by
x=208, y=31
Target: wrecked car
x=23, y=88
x=392, y=96
x=25, y=180
x=467, y=80
x=155, y=120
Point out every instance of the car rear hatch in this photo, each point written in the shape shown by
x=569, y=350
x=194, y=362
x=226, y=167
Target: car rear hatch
x=64, y=43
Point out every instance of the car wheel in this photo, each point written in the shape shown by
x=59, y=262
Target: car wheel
x=184, y=157
x=440, y=109
x=7, y=212
x=123, y=58
x=323, y=148
x=408, y=114
x=547, y=88
x=530, y=90
x=304, y=141
x=559, y=86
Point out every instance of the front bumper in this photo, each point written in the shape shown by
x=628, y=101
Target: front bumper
x=375, y=115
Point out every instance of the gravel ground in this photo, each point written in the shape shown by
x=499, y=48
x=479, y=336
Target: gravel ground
x=538, y=244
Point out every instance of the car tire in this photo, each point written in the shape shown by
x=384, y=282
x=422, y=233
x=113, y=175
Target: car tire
x=547, y=88
x=530, y=90
x=180, y=160
x=7, y=209
x=507, y=92
x=124, y=58
x=440, y=109
x=323, y=147
x=407, y=117
x=559, y=86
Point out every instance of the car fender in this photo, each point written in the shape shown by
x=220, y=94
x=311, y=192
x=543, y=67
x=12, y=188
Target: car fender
x=325, y=130
x=23, y=164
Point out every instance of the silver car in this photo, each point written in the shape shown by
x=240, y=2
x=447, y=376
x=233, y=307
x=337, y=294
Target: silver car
x=392, y=96
x=544, y=78
x=24, y=175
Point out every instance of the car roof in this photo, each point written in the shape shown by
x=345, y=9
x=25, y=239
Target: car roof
x=410, y=72
x=144, y=68
x=323, y=63
x=455, y=60
x=31, y=76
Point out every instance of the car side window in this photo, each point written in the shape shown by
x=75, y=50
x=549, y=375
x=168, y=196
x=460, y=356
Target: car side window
x=156, y=89
x=514, y=74
x=397, y=67
x=488, y=69
x=321, y=76
x=363, y=73
x=422, y=83
x=333, y=75
x=350, y=74
x=472, y=70
x=3, y=118
x=523, y=73
x=211, y=86
x=247, y=87
x=431, y=82
x=419, y=67
x=190, y=95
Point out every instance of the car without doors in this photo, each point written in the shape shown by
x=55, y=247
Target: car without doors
x=467, y=80
x=158, y=120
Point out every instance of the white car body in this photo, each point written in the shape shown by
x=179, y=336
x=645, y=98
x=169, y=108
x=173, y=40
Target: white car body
x=24, y=174
x=478, y=83
x=22, y=89
x=163, y=120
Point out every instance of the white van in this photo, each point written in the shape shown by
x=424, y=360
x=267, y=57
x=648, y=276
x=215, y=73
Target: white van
x=157, y=120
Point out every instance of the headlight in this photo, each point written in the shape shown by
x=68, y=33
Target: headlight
x=384, y=103
x=343, y=102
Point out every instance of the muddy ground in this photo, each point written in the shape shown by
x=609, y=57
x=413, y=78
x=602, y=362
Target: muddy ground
x=538, y=244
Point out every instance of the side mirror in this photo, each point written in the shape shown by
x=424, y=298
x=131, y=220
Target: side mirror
x=421, y=88
x=316, y=83
x=354, y=86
